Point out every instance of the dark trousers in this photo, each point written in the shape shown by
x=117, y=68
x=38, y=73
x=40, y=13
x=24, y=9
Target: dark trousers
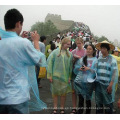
x=81, y=105
x=37, y=73
x=108, y=108
x=14, y=109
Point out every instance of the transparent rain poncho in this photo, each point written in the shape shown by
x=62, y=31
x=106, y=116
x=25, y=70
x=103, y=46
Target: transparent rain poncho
x=18, y=82
x=107, y=71
x=118, y=64
x=82, y=85
x=60, y=69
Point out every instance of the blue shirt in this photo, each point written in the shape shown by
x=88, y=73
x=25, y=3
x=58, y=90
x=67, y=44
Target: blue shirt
x=16, y=55
x=105, y=68
x=42, y=47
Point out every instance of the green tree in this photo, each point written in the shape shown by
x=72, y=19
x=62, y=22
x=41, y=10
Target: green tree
x=99, y=39
x=46, y=28
x=102, y=38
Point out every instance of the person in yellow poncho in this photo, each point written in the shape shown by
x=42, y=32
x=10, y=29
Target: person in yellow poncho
x=115, y=54
x=47, y=48
x=59, y=72
x=118, y=59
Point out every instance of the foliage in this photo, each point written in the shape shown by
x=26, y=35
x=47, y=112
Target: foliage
x=45, y=29
x=99, y=39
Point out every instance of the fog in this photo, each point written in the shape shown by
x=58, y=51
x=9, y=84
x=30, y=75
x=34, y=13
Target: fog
x=102, y=19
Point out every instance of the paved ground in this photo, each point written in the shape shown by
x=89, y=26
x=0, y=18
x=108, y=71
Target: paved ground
x=45, y=96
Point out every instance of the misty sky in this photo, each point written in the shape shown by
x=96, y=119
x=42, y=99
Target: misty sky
x=102, y=20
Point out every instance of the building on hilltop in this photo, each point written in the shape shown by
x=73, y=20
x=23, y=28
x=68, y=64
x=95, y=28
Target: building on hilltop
x=58, y=22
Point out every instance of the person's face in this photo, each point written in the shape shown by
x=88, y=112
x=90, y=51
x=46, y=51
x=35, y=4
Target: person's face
x=116, y=53
x=104, y=51
x=79, y=44
x=58, y=40
x=89, y=51
x=66, y=45
x=45, y=41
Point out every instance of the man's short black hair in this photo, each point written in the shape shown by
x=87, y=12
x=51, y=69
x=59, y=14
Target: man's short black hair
x=104, y=45
x=11, y=18
x=50, y=42
x=42, y=38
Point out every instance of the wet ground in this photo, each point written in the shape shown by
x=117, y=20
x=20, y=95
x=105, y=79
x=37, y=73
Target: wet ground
x=45, y=95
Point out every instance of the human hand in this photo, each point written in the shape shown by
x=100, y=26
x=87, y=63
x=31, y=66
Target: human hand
x=24, y=34
x=81, y=69
x=84, y=68
x=35, y=36
x=109, y=89
x=77, y=56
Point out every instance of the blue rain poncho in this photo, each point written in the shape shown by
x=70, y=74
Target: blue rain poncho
x=60, y=69
x=82, y=84
x=107, y=71
x=18, y=83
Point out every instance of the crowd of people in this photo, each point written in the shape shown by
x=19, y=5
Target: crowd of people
x=75, y=63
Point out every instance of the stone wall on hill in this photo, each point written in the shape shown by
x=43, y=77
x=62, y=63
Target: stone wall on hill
x=58, y=22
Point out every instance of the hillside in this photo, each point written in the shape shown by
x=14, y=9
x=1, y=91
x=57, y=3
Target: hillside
x=63, y=25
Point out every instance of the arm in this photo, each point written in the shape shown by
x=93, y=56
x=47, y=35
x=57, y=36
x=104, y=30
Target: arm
x=93, y=68
x=114, y=76
x=71, y=66
x=35, y=37
x=50, y=62
x=77, y=66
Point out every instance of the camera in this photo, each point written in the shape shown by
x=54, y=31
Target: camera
x=29, y=34
x=83, y=67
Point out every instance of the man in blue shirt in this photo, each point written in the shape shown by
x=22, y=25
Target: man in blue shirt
x=107, y=77
x=16, y=55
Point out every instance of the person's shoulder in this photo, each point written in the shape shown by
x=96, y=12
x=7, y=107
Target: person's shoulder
x=95, y=59
x=113, y=58
x=69, y=52
x=41, y=44
x=23, y=41
x=73, y=50
x=55, y=51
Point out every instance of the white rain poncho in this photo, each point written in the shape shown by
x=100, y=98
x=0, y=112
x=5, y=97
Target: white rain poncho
x=107, y=71
x=81, y=83
x=60, y=69
x=18, y=83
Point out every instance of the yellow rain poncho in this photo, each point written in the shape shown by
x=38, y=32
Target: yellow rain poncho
x=60, y=69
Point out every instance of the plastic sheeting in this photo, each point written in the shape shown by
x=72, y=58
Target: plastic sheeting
x=60, y=69
x=18, y=77
x=107, y=71
x=81, y=83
